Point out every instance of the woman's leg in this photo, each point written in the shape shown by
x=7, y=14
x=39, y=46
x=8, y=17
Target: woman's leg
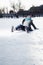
x=31, y=23
x=18, y=27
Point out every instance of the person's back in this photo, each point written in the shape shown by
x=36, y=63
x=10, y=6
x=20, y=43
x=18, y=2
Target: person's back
x=27, y=21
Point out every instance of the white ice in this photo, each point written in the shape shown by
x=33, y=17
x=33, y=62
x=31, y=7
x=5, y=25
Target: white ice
x=18, y=47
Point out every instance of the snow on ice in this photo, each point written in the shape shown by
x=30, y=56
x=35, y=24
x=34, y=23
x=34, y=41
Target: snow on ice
x=21, y=48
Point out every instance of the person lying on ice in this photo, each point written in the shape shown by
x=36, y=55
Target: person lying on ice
x=26, y=24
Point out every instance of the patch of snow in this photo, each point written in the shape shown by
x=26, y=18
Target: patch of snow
x=19, y=47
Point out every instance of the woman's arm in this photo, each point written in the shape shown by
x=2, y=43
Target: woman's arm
x=23, y=21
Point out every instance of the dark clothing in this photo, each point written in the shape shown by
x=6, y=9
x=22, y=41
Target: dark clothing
x=23, y=21
x=20, y=27
x=31, y=23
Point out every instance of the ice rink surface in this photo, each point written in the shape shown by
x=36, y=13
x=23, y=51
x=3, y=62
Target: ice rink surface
x=18, y=47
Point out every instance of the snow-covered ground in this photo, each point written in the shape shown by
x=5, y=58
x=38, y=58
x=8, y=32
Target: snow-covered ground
x=21, y=48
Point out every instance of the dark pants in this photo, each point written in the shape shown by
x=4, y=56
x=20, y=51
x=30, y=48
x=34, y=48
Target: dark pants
x=31, y=23
x=29, y=28
x=20, y=27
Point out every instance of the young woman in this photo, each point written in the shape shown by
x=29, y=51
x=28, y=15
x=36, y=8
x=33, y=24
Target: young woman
x=26, y=24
